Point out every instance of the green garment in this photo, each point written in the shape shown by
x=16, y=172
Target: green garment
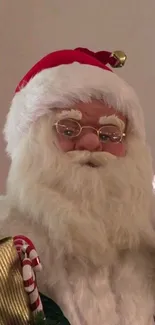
x=52, y=312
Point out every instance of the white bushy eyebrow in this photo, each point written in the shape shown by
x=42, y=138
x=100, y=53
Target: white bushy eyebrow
x=72, y=113
x=114, y=120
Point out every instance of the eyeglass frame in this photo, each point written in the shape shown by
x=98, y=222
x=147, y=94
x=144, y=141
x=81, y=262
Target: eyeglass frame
x=122, y=134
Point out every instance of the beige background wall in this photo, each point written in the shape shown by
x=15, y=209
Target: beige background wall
x=31, y=29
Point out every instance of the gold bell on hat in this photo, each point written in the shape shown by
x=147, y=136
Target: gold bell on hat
x=120, y=58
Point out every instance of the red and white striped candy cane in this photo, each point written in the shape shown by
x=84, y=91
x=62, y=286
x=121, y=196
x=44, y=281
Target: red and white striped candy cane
x=28, y=275
x=24, y=244
x=30, y=264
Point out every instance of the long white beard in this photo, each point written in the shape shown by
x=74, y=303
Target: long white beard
x=86, y=211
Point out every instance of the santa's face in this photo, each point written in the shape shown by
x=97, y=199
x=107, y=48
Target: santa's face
x=93, y=127
x=52, y=177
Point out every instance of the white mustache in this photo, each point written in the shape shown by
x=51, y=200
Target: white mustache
x=96, y=158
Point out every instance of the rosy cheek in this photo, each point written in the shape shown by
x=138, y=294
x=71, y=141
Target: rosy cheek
x=116, y=149
x=65, y=144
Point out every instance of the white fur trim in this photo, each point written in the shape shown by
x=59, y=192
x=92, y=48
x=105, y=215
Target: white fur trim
x=59, y=87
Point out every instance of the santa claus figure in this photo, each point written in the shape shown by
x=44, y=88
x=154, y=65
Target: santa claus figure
x=80, y=187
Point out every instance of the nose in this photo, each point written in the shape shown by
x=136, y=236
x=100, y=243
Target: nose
x=89, y=142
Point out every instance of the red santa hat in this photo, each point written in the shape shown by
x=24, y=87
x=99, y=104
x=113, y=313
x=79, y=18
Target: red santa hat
x=63, y=77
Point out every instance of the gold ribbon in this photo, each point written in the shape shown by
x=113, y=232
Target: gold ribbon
x=14, y=305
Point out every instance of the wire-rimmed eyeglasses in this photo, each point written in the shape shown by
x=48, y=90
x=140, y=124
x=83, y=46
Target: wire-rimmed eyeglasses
x=71, y=129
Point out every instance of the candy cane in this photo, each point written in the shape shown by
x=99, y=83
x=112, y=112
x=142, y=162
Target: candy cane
x=30, y=262
x=24, y=244
x=28, y=275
